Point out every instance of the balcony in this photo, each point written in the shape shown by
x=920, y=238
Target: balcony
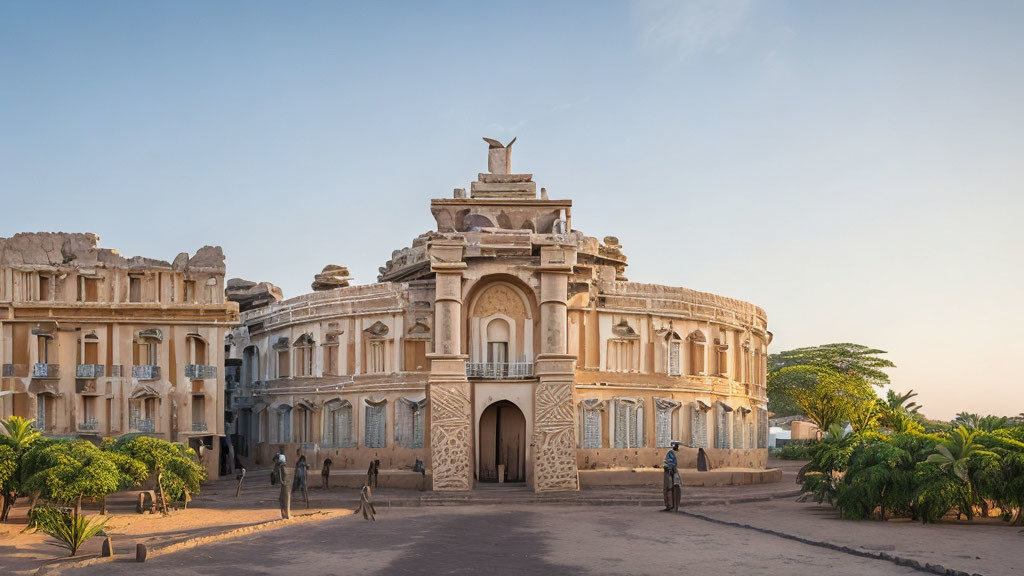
x=500, y=370
x=90, y=371
x=86, y=387
x=90, y=425
x=40, y=370
x=200, y=372
x=15, y=370
x=142, y=425
x=146, y=372
x=199, y=426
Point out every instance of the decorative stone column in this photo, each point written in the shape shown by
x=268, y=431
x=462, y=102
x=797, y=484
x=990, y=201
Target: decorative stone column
x=451, y=410
x=554, y=428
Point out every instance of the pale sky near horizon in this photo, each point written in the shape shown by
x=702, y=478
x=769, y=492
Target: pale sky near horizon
x=853, y=168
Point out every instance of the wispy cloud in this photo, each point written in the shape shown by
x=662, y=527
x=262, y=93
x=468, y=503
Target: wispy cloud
x=693, y=26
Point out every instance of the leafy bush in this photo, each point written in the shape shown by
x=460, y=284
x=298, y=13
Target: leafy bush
x=19, y=435
x=69, y=528
x=66, y=471
x=175, y=465
x=793, y=451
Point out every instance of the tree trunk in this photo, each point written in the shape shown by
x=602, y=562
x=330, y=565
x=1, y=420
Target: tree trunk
x=9, y=499
x=78, y=506
x=103, y=505
x=160, y=485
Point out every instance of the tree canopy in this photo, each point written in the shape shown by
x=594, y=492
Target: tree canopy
x=844, y=358
x=175, y=465
x=64, y=471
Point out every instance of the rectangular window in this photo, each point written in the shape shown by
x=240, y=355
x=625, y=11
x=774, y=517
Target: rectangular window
x=376, y=426
x=47, y=287
x=284, y=425
x=88, y=289
x=375, y=357
x=330, y=359
x=723, y=430
x=698, y=426
x=190, y=291
x=135, y=289
x=591, y=437
x=739, y=428
x=338, y=429
x=282, y=364
x=629, y=424
x=41, y=412
x=673, y=358
x=663, y=424
x=762, y=428
x=409, y=423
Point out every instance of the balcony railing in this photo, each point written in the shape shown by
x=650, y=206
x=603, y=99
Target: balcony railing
x=146, y=372
x=90, y=371
x=142, y=424
x=90, y=425
x=500, y=370
x=199, y=426
x=40, y=370
x=200, y=372
x=15, y=370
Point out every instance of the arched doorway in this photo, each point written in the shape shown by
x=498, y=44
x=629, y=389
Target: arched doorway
x=502, y=443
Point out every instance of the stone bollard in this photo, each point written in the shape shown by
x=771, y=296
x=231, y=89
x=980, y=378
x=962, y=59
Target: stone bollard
x=141, y=552
x=108, y=548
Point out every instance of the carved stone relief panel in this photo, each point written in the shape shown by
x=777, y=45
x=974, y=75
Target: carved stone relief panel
x=554, y=438
x=451, y=436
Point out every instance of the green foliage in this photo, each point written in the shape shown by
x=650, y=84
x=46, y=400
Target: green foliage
x=793, y=451
x=824, y=395
x=174, y=464
x=65, y=471
x=859, y=366
x=864, y=416
x=854, y=360
x=898, y=414
x=18, y=436
x=829, y=460
x=70, y=529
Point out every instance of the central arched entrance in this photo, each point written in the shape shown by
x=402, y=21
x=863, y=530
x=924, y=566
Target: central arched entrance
x=502, y=443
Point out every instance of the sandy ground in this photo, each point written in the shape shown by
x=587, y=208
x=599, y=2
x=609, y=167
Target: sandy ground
x=510, y=540
x=989, y=547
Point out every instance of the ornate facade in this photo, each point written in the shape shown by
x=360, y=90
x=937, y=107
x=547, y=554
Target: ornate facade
x=96, y=345
x=504, y=345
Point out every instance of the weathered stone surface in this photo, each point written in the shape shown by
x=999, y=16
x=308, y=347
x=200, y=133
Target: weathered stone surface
x=503, y=178
x=503, y=190
x=250, y=295
x=53, y=249
x=332, y=276
x=141, y=552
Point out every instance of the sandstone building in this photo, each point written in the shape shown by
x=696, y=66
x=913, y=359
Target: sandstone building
x=95, y=344
x=504, y=344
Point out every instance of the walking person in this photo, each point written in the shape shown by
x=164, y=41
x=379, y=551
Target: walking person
x=366, y=503
x=300, y=478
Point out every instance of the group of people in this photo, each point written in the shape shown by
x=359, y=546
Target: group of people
x=299, y=482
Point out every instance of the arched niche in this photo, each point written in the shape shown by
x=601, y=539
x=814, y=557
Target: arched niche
x=500, y=314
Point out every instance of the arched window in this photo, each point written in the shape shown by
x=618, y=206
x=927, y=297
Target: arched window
x=697, y=344
x=195, y=350
x=623, y=349
x=497, y=341
x=375, y=433
x=629, y=422
x=282, y=429
x=665, y=421
x=723, y=428
x=338, y=424
x=250, y=365
x=409, y=422
x=674, y=355
x=304, y=349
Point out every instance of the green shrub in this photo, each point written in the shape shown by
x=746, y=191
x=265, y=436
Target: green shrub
x=69, y=528
x=793, y=451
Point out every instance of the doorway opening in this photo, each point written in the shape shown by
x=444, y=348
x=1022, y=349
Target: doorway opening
x=502, y=443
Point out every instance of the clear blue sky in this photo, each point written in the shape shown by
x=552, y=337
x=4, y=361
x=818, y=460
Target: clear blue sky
x=855, y=169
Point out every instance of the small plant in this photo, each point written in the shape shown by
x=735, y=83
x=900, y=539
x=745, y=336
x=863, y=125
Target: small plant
x=793, y=451
x=69, y=528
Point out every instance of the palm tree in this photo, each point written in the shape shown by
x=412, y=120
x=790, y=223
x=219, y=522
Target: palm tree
x=864, y=416
x=967, y=419
x=899, y=401
x=897, y=413
x=955, y=455
x=19, y=433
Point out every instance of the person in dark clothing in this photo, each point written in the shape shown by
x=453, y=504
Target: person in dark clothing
x=672, y=485
x=325, y=474
x=300, y=478
x=285, y=497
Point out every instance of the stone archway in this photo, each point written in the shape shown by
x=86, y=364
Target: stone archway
x=502, y=443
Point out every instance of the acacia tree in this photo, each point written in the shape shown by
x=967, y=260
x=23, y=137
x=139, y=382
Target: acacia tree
x=824, y=395
x=177, y=470
x=853, y=361
x=19, y=435
x=68, y=471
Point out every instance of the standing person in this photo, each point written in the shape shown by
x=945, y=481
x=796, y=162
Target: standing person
x=300, y=478
x=285, y=497
x=325, y=474
x=672, y=483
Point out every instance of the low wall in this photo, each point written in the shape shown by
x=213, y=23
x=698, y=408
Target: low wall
x=649, y=477
x=605, y=458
